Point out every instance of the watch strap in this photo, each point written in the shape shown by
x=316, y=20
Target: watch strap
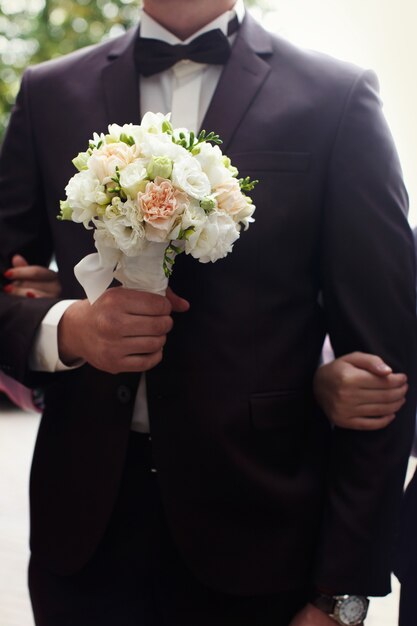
x=331, y=604
x=324, y=602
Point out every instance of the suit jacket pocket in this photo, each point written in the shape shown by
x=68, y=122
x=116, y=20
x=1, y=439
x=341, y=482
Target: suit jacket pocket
x=284, y=411
x=272, y=161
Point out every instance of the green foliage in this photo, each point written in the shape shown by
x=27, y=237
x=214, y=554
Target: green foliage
x=246, y=184
x=193, y=141
x=32, y=31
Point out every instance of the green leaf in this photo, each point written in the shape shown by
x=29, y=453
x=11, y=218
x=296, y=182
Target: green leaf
x=246, y=184
x=127, y=139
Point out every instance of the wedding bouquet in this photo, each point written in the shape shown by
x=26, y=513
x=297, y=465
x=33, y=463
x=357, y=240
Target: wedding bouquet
x=151, y=192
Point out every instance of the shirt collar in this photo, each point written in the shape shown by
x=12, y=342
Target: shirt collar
x=151, y=29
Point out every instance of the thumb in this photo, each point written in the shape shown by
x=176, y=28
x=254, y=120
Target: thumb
x=179, y=305
x=19, y=261
x=369, y=362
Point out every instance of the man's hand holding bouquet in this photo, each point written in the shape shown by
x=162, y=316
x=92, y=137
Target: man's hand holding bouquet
x=150, y=192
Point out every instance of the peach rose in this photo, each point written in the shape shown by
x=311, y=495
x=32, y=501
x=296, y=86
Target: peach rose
x=232, y=201
x=103, y=162
x=160, y=204
x=229, y=197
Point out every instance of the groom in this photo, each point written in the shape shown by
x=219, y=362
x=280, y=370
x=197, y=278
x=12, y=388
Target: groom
x=243, y=508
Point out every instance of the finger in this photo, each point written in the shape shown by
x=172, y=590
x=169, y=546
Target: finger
x=372, y=396
x=140, y=346
x=32, y=273
x=179, y=305
x=361, y=379
x=141, y=363
x=25, y=292
x=370, y=423
x=44, y=289
x=121, y=300
x=19, y=261
x=374, y=410
x=370, y=362
x=125, y=325
x=147, y=326
x=35, y=284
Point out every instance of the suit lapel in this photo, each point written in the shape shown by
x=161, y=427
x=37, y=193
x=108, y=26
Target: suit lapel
x=121, y=82
x=240, y=81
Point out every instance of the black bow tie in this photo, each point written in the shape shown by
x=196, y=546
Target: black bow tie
x=153, y=55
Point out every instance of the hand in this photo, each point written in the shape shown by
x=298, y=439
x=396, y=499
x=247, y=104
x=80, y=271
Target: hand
x=122, y=331
x=312, y=616
x=359, y=391
x=31, y=281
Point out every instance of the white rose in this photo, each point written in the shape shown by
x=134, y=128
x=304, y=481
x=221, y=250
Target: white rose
x=84, y=194
x=211, y=160
x=214, y=240
x=128, y=240
x=133, y=178
x=188, y=176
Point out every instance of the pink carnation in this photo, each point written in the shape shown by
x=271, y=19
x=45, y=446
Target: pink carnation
x=160, y=204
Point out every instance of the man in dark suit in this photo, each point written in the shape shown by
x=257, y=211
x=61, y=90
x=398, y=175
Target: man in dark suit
x=255, y=507
x=406, y=566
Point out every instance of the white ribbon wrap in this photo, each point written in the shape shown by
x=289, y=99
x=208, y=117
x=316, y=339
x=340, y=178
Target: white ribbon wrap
x=143, y=272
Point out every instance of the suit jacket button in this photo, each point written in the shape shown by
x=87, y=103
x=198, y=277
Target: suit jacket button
x=123, y=394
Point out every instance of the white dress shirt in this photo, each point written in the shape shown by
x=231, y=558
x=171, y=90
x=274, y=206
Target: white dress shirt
x=185, y=90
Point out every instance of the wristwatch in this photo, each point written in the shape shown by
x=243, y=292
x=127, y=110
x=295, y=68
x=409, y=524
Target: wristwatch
x=347, y=610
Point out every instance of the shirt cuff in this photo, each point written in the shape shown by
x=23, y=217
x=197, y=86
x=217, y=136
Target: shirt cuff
x=44, y=356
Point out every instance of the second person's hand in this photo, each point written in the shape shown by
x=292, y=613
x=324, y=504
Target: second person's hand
x=360, y=391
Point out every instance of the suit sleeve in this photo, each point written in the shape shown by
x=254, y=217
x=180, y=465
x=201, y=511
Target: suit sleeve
x=24, y=229
x=368, y=282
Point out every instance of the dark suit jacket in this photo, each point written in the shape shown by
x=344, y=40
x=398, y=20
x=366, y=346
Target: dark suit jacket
x=406, y=565
x=259, y=493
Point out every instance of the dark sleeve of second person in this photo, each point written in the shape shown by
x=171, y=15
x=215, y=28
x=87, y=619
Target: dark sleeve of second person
x=368, y=281
x=24, y=229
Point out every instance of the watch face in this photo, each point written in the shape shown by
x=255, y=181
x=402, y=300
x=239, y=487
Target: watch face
x=352, y=610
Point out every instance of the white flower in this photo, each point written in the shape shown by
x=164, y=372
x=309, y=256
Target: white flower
x=85, y=194
x=133, y=213
x=128, y=130
x=232, y=201
x=104, y=161
x=141, y=189
x=212, y=163
x=188, y=176
x=161, y=146
x=153, y=122
x=193, y=217
x=213, y=234
x=133, y=178
x=103, y=237
x=128, y=240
